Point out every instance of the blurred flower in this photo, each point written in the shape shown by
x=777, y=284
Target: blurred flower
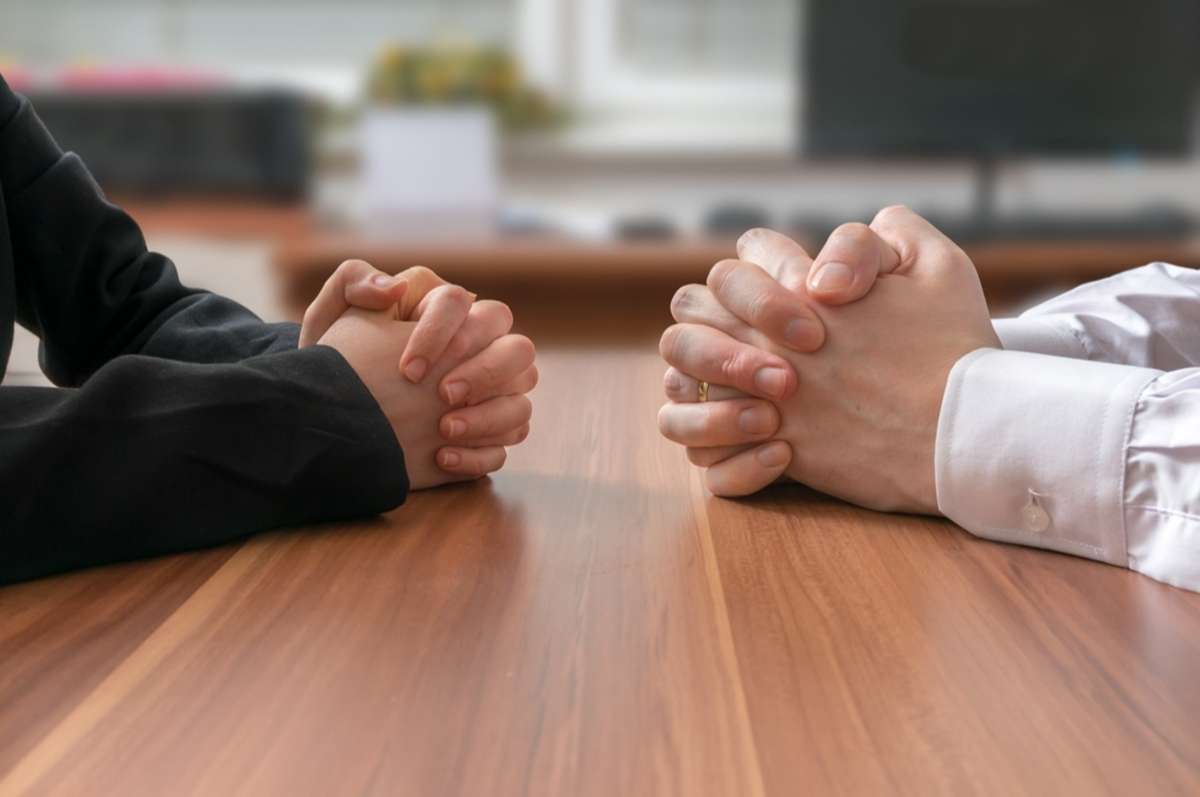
x=459, y=73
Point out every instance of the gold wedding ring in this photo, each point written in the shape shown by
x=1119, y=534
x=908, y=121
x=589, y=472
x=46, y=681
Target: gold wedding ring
x=702, y=392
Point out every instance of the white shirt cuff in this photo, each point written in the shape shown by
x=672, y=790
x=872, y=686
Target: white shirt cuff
x=1031, y=450
x=1040, y=336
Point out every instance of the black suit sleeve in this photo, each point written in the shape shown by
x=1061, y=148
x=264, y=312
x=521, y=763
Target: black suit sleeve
x=181, y=419
x=152, y=456
x=85, y=283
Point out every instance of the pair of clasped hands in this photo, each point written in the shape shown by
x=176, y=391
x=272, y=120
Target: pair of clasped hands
x=444, y=368
x=826, y=371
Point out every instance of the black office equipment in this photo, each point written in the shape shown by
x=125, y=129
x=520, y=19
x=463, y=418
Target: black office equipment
x=993, y=79
x=645, y=227
x=730, y=219
x=192, y=142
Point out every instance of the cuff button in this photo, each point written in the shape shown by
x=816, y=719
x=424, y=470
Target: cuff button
x=1033, y=516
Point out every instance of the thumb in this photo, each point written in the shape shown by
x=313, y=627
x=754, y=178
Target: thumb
x=847, y=266
x=377, y=291
x=355, y=283
x=922, y=249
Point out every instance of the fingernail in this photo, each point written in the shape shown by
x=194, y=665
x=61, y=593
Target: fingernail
x=456, y=428
x=771, y=380
x=382, y=280
x=456, y=392
x=451, y=459
x=756, y=421
x=415, y=370
x=800, y=331
x=772, y=456
x=672, y=382
x=831, y=277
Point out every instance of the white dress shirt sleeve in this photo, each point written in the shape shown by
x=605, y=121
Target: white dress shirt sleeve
x=1050, y=448
x=1148, y=316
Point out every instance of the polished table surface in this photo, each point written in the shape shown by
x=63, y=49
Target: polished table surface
x=590, y=621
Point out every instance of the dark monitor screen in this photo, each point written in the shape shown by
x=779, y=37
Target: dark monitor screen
x=996, y=77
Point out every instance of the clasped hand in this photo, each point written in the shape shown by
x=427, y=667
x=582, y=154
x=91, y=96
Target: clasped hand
x=828, y=372
x=445, y=369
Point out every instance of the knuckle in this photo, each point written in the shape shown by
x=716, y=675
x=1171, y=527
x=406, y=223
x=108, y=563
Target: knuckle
x=763, y=307
x=736, y=368
x=488, y=375
x=714, y=420
x=533, y=377
x=489, y=419
x=793, y=270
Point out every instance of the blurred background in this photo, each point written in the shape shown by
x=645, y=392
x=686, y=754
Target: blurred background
x=610, y=150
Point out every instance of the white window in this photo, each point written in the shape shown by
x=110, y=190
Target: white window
x=662, y=54
x=666, y=75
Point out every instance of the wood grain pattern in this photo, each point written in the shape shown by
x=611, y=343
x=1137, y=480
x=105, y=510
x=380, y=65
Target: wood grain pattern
x=60, y=637
x=918, y=659
x=591, y=622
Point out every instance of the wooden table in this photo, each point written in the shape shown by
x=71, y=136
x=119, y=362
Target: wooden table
x=590, y=621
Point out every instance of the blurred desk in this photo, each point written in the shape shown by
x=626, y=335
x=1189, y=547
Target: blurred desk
x=590, y=622
x=219, y=218
x=511, y=267
x=559, y=289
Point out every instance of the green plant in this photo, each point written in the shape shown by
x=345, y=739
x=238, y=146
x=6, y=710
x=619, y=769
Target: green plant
x=457, y=75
